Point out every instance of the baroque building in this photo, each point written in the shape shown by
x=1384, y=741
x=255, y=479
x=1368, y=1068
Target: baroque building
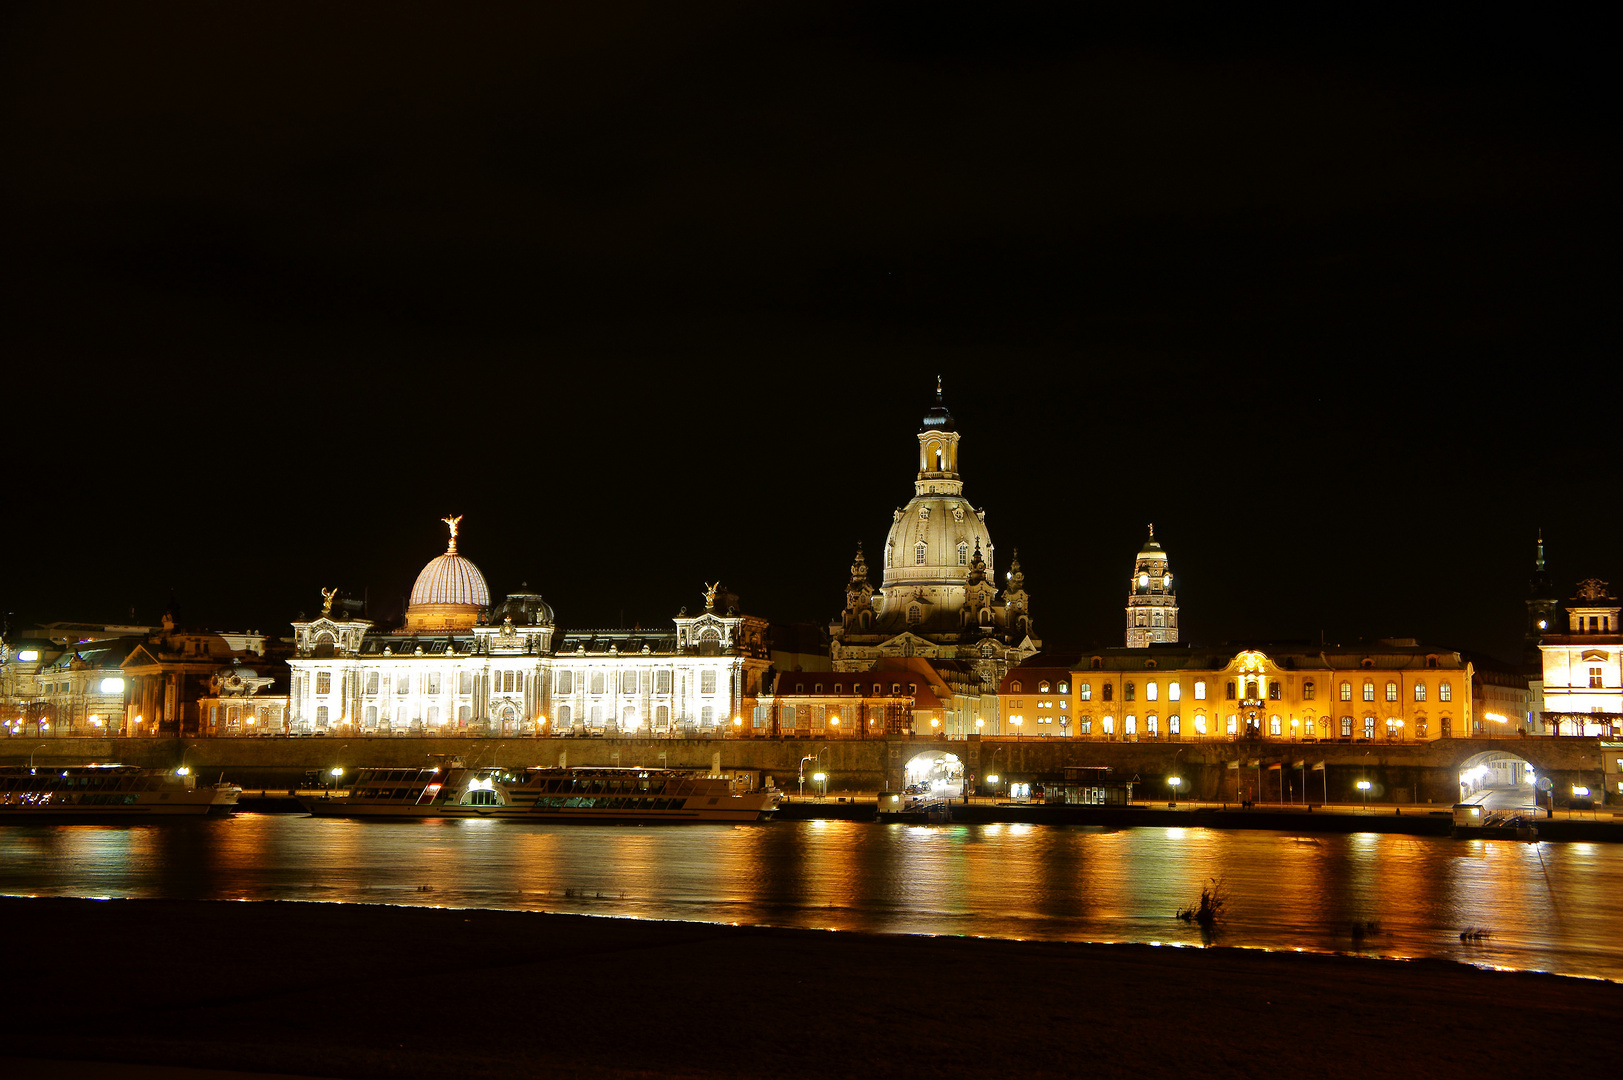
x=1389, y=691
x=462, y=666
x=938, y=598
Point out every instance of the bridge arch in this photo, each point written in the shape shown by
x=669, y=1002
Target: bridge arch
x=940, y=770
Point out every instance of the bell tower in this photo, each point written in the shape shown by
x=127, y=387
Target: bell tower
x=1152, y=606
x=938, y=451
x=1541, y=604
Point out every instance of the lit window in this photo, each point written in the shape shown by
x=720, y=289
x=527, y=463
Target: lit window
x=1150, y=691
x=1174, y=691
x=323, y=682
x=1042, y=687
x=371, y=682
x=707, y=715
x=1369, y=690
x=963, y=553
x=1597, y=678
x=1085, y=691
x=1200, y=725
x=1307, y=691
x=1445, y=691
x=628, y=682
x=1129, y=725
x=1420, y=691
x=662, y=682
x=1273, y=725
x=1234, y=725
x=1346, y=691
x=1346, y=727
x=1200, y=689
x=566, y=682
x=1391, y=691
x=1274, y=690
x=707, y=682
x=1152, y=725
x=1369, y=727
x=1172, y=724
x=918, y=553
x=1065, y=688
x=433, y=682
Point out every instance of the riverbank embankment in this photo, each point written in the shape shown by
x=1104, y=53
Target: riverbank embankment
x=362, y=991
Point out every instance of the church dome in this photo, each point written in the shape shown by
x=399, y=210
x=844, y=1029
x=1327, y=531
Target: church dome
x=449, y=593
x=525, y=609
x=933, y=541
x=450, y=579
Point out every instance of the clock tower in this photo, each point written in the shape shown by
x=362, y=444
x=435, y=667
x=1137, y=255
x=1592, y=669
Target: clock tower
x=1152, y=606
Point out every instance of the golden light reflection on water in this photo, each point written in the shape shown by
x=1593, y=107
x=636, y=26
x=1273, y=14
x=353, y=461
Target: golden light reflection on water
x=1544, y=906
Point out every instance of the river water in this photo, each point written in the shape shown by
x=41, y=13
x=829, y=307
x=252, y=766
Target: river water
x=1544, y=907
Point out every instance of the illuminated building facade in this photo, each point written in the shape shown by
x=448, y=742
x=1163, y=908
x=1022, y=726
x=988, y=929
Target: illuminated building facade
x=461, y=666
x=1583, y=682
x=242, y=701
x=938, y=599
x=1392, y=691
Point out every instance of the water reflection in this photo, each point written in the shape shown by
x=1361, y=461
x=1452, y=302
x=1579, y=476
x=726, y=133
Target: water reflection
x=1541, y=907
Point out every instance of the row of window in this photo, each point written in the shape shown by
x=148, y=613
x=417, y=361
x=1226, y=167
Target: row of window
x=508, y=682
x=1253, y=690
x=1276, y=726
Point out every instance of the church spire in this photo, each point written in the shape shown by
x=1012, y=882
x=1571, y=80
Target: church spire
x=938, y=451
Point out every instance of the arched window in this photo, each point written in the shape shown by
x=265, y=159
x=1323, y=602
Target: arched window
x=1391, y=691
x=1064, y=688
x=1042, y=687
x=1346, y=691
x=1273, y=724
x=1109, y=691
x=1445, y=691
x=914, y=615
x=1014, y=687
x=1085, y=691
x=1200, y=689
x=1369, y=690
x=1420, y=691
x=963, y=553
x=918, y=553
x=1174, y=691
x=1127, y=691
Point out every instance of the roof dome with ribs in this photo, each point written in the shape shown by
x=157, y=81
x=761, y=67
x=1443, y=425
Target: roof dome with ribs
x=449, y=593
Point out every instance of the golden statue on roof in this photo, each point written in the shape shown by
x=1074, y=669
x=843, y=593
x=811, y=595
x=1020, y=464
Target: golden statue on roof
x=452, y=522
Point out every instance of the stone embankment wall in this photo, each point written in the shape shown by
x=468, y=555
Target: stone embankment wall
x=1398, y=772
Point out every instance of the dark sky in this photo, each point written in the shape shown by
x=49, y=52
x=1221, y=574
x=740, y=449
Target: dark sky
x=656, y=294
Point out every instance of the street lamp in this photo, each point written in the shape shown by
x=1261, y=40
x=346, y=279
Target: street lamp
x=1017, y=721
x=1176, y=782
x=1363, y=785
x=821, y=779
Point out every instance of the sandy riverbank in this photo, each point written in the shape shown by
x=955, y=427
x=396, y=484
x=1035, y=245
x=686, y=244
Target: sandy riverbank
x=362, y=991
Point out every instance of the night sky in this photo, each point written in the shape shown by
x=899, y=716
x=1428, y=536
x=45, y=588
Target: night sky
x=657, y=294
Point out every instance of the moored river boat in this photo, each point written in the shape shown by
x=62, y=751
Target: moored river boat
x=96, y=792
x=543, y=794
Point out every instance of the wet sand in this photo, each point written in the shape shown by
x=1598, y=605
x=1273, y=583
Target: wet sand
x=363, y=991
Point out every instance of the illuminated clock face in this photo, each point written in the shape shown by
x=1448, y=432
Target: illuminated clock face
x=1541, y=624
x=1143, y=581
x=1166, y=582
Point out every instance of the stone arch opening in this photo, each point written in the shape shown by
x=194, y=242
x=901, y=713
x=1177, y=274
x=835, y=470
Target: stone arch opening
x=938, y=771
x=1498, y=780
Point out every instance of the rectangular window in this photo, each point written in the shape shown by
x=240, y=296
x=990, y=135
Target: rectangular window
x=1085, y=691
x=464, y=683
x=1228, y=691
x=323, y=682
x=1234, y=725
x=371, y=682
x=1307, y=691
x=1346, y=691
x=1369, y=727
x=433, y=682
x=1369, y=690
x=1346, y=727
x=662, y=682
x=1597, y=679
x=662, y=716
x=1200, y=689
x=1200, y=725
x=1152, y=724
x=1174, y=691
x=628, y=682
x=321, y=716
x=1391, y=691
x=597, y=682
x=1420, y=691
x=1445, y=691
x=1274, y=690
x=518, y=682
x=1129, y=725
x=566, y=682
x=1087, y=725
x=707, y=716
x=1127, y=691
x=707, y=682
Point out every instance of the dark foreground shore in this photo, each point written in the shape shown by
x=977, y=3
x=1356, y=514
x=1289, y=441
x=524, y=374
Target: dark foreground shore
x=360, y=991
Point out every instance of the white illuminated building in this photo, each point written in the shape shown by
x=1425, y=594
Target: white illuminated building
x=462, y=666
x=1583, y=676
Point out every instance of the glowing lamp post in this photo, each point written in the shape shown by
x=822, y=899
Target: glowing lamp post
x=821, y=780
x=1017, y=721
x=1363, y=786
x=1175, y=782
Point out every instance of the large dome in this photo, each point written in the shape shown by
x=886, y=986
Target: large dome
x=948, y=528
x=449, y=594
x=451, y=579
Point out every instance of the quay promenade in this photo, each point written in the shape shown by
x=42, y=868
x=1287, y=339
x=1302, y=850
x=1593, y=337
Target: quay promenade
x=1213, y=771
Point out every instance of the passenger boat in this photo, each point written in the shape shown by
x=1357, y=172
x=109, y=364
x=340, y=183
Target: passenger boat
x=543, y=794
x=93, y=792
x=1472, y=822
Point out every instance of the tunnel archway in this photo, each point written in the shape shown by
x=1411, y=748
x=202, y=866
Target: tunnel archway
x=941, y=772
x=1498, y=780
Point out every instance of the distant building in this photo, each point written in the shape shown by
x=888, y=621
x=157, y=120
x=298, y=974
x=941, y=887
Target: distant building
x=1392, y=690
x=1583, y=681
x=1152, y=605
x=938, y=600
x=462, y=666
